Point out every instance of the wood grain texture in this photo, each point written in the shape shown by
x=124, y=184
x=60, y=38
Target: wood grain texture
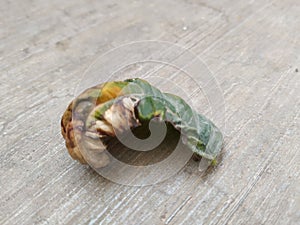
x=251, y=47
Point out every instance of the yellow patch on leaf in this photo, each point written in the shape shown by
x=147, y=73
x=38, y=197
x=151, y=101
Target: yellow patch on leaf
x=110, y=91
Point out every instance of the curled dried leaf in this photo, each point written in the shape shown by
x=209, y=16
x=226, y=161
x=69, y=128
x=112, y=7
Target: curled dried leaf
x=114, y=107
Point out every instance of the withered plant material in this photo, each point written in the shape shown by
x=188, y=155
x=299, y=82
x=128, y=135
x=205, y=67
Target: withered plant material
x=103, y=111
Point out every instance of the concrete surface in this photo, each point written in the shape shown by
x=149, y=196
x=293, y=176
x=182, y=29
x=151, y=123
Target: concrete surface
x=251, y=47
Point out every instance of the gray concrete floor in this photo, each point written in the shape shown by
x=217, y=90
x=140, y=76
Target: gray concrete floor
x=251, y=48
